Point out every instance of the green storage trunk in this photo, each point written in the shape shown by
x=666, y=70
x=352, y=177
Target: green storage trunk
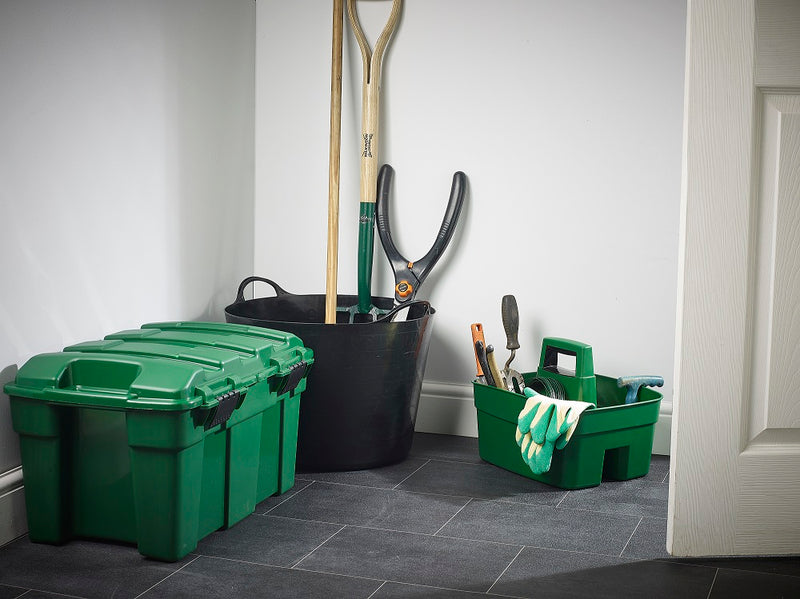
x=613, y=440
x=158, y=436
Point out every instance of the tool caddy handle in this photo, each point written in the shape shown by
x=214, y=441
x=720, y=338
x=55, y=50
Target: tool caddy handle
x=581, y=384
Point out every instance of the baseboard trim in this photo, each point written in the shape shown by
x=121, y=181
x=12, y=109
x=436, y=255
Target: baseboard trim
x=13, y=519
x=449, y=409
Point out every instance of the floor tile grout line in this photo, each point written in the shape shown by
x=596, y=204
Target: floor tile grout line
x=494, y=499
x=464, y=460
x=751, y=571
x=293, y=566
x=372, y=594
x=357, y=486
x=171, y=574
x=575, y=551
x=542, y=547
x=380, y=528
x=285, y=499
x=575, y=509
x=238, y=560
x=641, y=519
x=407, y=583
x=711, y=588
x=294, y=518
x=330, y=573
x=412, y=474
x=496, y=580
x=436, y=535
x=54, y=593
x=279, y=567
x=453, y=516
x=678, y=561
x=454, y=460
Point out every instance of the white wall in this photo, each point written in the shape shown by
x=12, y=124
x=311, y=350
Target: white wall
x=126, y=174
x=566, y=118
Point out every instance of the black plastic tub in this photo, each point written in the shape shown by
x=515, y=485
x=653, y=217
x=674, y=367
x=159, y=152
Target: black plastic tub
x=360, y=404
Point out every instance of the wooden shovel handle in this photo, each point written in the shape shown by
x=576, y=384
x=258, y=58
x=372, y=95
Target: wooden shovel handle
x=370, y=96
x=332, y=270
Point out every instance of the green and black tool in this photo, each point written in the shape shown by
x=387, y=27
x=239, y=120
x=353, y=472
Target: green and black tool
x=369, y=146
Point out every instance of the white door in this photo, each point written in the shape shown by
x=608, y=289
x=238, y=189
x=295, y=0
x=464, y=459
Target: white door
x=735, y=469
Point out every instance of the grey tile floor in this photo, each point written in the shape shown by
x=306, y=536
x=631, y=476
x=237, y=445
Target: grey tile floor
x=441, y=524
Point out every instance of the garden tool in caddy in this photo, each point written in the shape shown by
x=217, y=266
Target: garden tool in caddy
x=634, y=382
x=508, y=307
x=477, y=335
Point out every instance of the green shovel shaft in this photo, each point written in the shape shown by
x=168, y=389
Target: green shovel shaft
x=366, y=244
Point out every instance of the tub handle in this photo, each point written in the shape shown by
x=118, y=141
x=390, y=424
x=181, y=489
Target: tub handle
x=393, y=312
x=279, y=291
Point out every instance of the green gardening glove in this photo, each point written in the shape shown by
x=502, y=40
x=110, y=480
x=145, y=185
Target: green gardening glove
x=535, y=431
x=544, y=425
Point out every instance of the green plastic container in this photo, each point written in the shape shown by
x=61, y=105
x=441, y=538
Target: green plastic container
x=158, y=436
x=613, y=440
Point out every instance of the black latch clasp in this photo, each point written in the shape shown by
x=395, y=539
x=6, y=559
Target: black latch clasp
x=296, y=374
x=227, y=403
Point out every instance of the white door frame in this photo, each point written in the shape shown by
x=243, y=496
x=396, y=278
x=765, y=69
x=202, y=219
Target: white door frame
x=735, y=450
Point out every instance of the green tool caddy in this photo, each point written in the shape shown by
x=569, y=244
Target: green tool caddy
x=613, y=440
x=158, y=436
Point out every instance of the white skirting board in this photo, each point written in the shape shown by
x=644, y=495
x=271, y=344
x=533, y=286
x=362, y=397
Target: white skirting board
x=449, y=409
x=13, y=521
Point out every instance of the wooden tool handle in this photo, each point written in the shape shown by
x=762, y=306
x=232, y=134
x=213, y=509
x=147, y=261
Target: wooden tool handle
x=332, y=270
x=370, y=96
x=499, y=379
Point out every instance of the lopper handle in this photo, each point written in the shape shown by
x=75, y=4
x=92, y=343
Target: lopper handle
x=508, y=308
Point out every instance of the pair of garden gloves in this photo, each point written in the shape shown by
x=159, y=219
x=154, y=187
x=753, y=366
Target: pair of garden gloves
x=546, y=424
